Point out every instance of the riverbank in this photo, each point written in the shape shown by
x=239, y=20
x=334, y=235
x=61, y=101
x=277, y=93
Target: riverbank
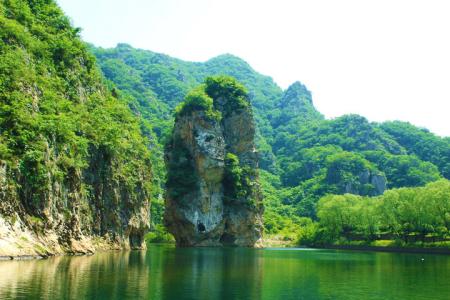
x=18, y=242
x=285, y=244
x=268, y=243
x=443, y=247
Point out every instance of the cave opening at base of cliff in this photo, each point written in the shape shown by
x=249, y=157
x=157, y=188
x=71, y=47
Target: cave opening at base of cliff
x=135, y=239
x=227, y=239
x=201, y=227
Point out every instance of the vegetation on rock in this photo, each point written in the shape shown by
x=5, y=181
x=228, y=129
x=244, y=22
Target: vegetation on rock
x=213, y=196
x=198, y=99
x=71, y=153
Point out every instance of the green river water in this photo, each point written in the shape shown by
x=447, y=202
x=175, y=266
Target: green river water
x=164, y=272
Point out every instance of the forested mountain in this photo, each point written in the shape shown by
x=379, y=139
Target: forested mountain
x=75, y=169
x=303, y=156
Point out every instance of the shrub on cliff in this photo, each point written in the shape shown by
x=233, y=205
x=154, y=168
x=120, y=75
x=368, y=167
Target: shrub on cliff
x=197, y=100
x=228, y=88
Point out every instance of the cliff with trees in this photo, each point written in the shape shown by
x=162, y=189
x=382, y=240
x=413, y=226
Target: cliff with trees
x=75, y=169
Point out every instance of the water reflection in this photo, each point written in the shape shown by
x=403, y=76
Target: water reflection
x=212, y=274
x=209, y=273
x=103, y=276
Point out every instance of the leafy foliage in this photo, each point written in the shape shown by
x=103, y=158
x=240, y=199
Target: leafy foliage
x=403, y=170
x=55, y=111
x=233, y=178
x=159, y=234
x=238, y=180
x=182, y=177
x=406, y=214
x=325, y=156
x=422, y=143
x=198, y=100
x=225, y=87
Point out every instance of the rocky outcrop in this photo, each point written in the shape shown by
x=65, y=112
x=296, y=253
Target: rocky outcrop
x=368, y=183
x=351, y=173
x=213, y=196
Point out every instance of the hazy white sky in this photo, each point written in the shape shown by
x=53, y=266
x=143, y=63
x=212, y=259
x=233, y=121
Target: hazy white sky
x=383, y=59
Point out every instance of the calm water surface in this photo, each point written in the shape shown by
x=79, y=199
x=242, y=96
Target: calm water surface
x=164, y=272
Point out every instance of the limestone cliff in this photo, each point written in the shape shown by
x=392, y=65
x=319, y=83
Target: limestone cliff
x=349, y=173
x=213, y=196
x=88, y=210
x=74, y=166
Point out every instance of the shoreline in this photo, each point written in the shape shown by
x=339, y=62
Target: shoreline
x=444, y=251
x=22, y=257
x=412, y=250
x=276, y=243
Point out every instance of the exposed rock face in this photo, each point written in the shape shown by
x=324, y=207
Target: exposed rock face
x=202, y=205
x=68, y=219
x=351, y=173
x=376, y=181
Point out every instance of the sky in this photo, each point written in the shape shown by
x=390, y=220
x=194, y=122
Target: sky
x=383, y=59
